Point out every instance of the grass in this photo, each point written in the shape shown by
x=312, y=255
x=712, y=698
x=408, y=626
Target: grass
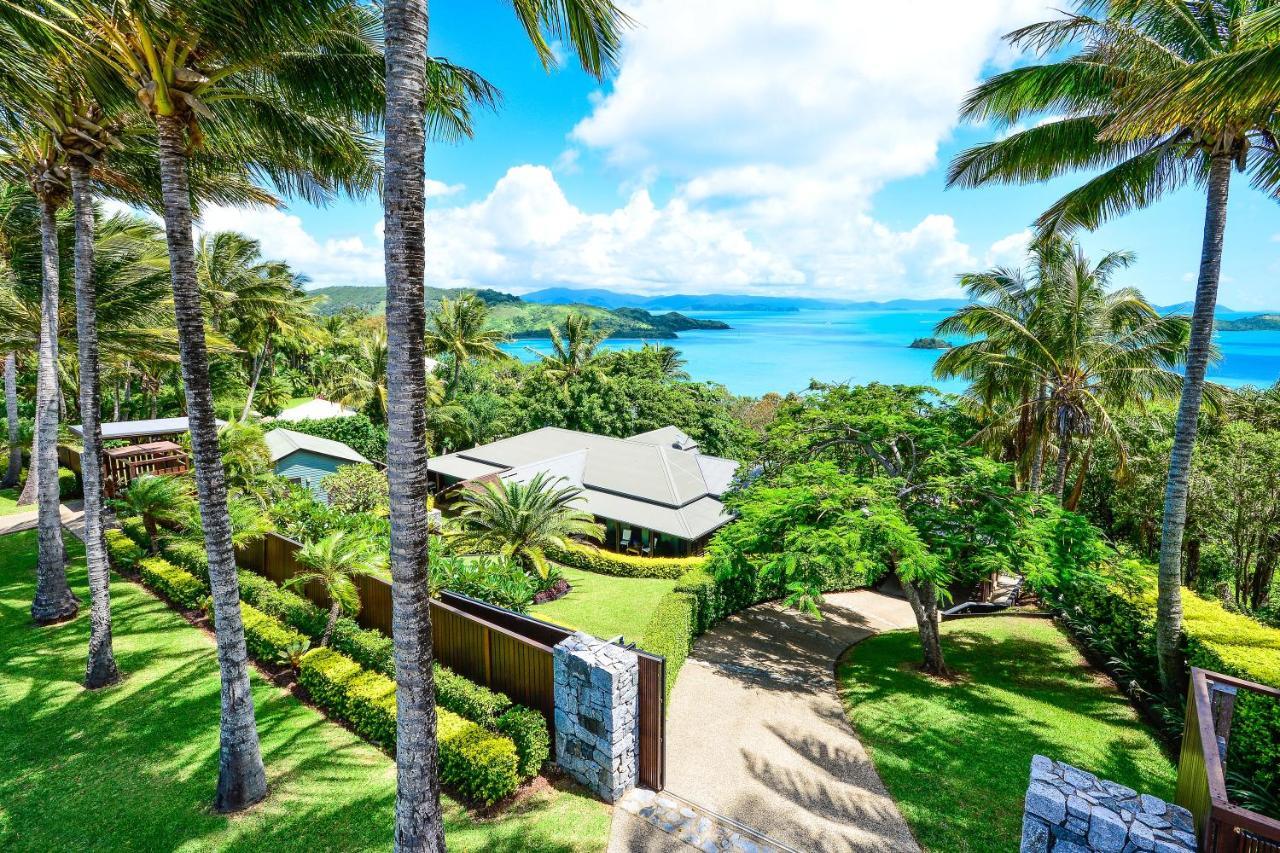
x=604, y=605
x=956, y=756
x=9, y=502
x=133, y=767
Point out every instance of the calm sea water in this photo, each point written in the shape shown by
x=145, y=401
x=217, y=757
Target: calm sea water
x=782, y=351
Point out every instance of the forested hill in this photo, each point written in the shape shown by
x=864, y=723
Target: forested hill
x=1256, y=323
x=521, y=319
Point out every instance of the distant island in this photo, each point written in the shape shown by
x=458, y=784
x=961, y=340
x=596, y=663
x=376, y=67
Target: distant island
x=520, y=319
x=1256, y=323
x=930, y=343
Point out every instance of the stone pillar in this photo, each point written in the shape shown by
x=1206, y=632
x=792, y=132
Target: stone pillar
x=1071, y=811
x=597, y=689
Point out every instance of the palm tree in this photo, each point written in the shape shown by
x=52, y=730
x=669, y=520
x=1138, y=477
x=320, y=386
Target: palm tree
x=363, y=384
x=1153, y=97
x=333, y=562
x=668, y=359
x=157, y=498
x=522, y=520
x=590, y=28
x=13, y=469
x=1059, y=354
x=17, y=215
x=457, y=329
x=574, y=350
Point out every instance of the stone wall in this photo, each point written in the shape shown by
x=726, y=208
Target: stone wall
x=597, y=689
x=1071, y=811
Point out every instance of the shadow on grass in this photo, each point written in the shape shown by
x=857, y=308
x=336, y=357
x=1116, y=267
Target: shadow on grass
x=957, y=756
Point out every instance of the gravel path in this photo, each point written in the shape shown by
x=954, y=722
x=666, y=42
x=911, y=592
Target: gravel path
x=756, y=730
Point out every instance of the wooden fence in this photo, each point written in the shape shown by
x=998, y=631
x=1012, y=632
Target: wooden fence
x=501, y=649
x=1222, y=826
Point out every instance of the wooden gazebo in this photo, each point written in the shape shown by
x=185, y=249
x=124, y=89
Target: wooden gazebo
x=122, y=465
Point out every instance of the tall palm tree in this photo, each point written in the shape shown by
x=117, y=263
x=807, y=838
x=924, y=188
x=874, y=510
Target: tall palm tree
x=522, y=520
x=1151, y=98
x=333, y=562
x=1063, y=350
x=573, y=351
x=457, y=329
x=13, y=468
x=156, y=498
x=590, y=28
x=17, y=216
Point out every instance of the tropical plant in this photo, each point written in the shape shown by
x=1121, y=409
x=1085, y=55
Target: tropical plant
x=499, y=581
x=1059, y=354
x=357, y=488
x=157, y=498
x=457, y=329
x=332, y=563
x=522, y=520
x=248, y=522
x=573, y=351
x=1159, y=94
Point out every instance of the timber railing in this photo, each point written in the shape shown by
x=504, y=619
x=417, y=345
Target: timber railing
x=505, y=651
x=1222, y=827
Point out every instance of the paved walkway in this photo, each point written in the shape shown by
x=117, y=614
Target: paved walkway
x=72, y=518
x=756, y=730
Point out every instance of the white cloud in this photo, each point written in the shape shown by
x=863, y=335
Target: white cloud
x=435, y=189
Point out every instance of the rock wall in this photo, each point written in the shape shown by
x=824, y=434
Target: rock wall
x=597, y=690
x=1071, y=811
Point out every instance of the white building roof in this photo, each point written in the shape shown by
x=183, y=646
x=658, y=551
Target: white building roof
x=131, y=429
x=282, y=442
x=643, y=480
x=315, y=409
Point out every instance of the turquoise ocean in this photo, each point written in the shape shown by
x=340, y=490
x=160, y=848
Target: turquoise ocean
x=783, y=350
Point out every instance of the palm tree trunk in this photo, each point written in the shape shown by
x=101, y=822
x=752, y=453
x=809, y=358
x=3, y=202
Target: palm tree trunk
x=418, y=819
x=13, y=473
x=1078, y=489
x=1064, y=457
x=1169, y=600
x=257, y=372
x=335, y=610
x=242, y=780
x=28, y=495
x=101, y=667
x=53, y=601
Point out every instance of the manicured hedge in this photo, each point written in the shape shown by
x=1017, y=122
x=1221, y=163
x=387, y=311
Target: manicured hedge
x=137, y=531
x=479, y=764
x=1114, y=614
x=527, y=729
x=68, y=484
x=188, y=555
x=671, y=631
x=268, y=639
x=123, y=552
x=178, y=585
x=603, y=562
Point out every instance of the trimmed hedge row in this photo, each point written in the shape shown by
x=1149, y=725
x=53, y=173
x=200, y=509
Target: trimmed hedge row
x=188, y=555
x=68, y=484
x=268, y=639
x=123, y=552
x=373, y=651
x=603, y=562
x=480, y=764
x=1115, y=615
x=178, y=585
x=137, y=531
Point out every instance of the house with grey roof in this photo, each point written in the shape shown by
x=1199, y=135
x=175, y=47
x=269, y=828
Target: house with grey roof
x=308, y=459
x=655, y=492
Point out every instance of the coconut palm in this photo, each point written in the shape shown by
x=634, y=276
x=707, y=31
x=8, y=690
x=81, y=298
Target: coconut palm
x=333, y=562
x=573, y=350
x=1153, y=98
x=457, y=329
x=1063, y=349
x=523, y=520
x=590, y=29
x=156, y=498
x=13, y=468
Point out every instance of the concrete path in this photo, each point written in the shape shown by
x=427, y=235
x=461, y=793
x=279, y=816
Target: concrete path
x=756, y=730
x=72, y=519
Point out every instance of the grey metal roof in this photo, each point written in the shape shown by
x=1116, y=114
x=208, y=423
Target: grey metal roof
x=639, y=481
x=132, y=429
x=282, y=442
x=668, y=435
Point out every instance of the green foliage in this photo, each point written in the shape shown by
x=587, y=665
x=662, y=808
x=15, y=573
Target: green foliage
x=123, y=552
x=357, y=488
x=178, y=585
x=671, y=632
x=187, y=554
x=604, y=562
x=356, y=431
x=267, y=638
x=468, y=699
x=479, y=764
x=527, y=729
x=68, y=484
x=133, y=527
x=288, y=607
x=493, y=579
x=301, y=517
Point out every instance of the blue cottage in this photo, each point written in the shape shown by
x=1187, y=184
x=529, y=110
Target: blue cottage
x=307, y=459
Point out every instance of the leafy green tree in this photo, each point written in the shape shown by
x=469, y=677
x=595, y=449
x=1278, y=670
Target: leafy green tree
x=157, y=498
x=1158, y=94
x=357, y=488
x=332, y=563
x=457, y=330
x=522, y=520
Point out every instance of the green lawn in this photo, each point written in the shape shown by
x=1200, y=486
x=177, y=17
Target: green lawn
x=604, y=605
x=9, y=502
x=956, y=757
x=133, y=767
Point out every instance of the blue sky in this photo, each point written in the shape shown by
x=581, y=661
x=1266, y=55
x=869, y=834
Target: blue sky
x=744, y=146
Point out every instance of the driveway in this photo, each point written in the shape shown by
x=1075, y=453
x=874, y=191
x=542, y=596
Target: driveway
x=756, y=730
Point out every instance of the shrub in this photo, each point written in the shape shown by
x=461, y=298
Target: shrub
x=356, y=431
x=468, y=699
x=285, y=605
x=68, y=484
x=671, y=632
x=528, y=731
x=137, y=531
x=357, y=488
x=603, y=562
x=499, y=582
x=267, y=638
x=188, y=555
x=371, y=649
x=479, y=764
x=178, y=585
x=123, y=552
